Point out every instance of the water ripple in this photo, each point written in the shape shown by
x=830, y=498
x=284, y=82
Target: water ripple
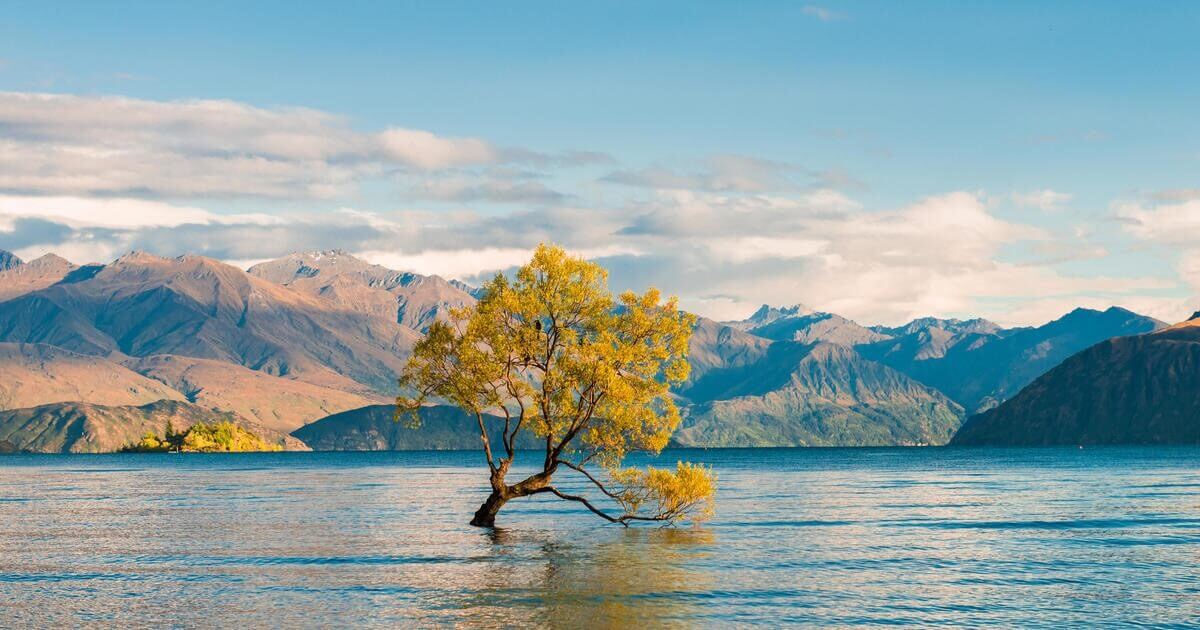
x=820, y=537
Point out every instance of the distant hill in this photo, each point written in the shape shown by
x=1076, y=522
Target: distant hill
x=87, y=428
x=408, y=298
x=952, y=327
x=142, y=305
x=311, y=335
x=1142, y=389
x=820, y=394
x=373, y=429
x=21, y=278
x=980, y=365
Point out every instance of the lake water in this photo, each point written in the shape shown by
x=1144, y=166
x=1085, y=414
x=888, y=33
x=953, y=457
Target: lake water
x=837, y=537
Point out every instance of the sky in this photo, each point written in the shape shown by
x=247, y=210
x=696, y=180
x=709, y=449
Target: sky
x=880, y=160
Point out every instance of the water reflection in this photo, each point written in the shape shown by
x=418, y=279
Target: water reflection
x=609, y=577
x=938, y=537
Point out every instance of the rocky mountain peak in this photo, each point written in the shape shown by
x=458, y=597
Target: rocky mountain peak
x=9, y=260
x=49, y=260
x=138, y=257
x=767, y=314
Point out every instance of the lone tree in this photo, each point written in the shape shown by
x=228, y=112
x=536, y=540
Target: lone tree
x=552, y=352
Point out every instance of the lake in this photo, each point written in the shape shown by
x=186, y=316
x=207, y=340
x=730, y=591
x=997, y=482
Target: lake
x=824, y=537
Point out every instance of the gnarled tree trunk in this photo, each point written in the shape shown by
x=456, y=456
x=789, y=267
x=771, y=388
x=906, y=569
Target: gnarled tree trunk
x=485, y=516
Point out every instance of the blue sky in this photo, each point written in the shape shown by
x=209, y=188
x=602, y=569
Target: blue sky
x=1066, y=130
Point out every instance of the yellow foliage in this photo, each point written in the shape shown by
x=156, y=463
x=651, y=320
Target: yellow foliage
x=150, y=443
x=222, y=436
x=551, y=351
x=688, y=492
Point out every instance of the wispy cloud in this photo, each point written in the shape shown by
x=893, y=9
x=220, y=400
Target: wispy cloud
x=1176, y=194
x=729, y=173
x=92, y=177
x=489, y=189
x=941, y=255
x=821, y=13
x=116, y=146
x=1046, y=200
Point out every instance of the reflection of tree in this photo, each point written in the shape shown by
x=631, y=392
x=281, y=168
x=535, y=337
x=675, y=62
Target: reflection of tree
x=6, y=399
x=633, y=577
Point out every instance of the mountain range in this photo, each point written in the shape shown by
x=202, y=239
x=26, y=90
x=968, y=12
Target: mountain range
x=1142, y=389
x=321, y=336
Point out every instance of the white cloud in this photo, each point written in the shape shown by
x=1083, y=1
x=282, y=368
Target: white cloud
x=57, y=144
x=92, y=177
x=1175, y=224
x=428, y=151
x=1174, y=227
x=79, y=212
x=468, y=264
x=722, y=254
x=1177, y=194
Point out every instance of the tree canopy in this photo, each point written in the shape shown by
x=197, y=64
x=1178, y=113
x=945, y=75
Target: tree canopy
x=551, y=351
x=219, y=437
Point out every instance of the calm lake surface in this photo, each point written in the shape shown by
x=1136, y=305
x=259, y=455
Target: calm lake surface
x=837, y=537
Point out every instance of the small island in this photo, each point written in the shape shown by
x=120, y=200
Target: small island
x=217, y=437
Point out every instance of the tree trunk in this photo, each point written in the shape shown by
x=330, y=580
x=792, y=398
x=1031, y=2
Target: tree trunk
x=485, y=516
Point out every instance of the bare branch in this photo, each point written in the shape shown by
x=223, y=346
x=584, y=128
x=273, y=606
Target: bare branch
x=587, y=504
x=587, y=474
x=487, y=445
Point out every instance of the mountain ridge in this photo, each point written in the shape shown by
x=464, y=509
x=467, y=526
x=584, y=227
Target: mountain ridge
x=76, y=427
x=1140, y=389
x=312, y=335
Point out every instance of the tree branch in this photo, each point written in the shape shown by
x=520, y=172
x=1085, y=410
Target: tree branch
x=578, y=499
x=487, y=445
x=590, y=477
x=624, y=519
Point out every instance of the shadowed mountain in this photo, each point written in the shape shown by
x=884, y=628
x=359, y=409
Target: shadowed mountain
x=87, y=428
x=1142, y=389
x=473, y=291
x=407, y=298
x=980, y=367
x=374, y=429
x=36, y=274
x=952, y=326
x=820, y=394
x=143, y=305
x=8, y=260
x=715, y=346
